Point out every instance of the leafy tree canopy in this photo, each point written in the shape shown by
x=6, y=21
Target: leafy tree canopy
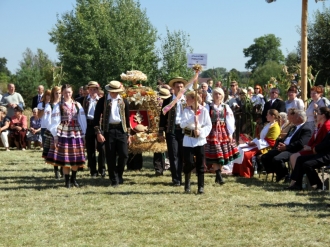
x=265, y=48
x=100, y=39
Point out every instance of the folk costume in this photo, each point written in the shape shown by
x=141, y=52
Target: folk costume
x=194, y=145
x=116, y=128
x=218, y=149
x=170, y=123
x=89, y=105
x=268, y=136
x=68, y=125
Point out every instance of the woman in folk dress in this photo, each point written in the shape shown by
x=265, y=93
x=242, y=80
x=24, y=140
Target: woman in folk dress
x=220, y=148
x=68, y=127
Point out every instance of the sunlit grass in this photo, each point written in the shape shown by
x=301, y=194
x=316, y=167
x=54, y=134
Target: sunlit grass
x=36, y=210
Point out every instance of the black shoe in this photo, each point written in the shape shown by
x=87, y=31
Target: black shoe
x=218, y=178
x=157, y=173
x=68, y=184
x=114, y=184
x=94, y=175
x=176, y=183
x=57, y=175
x=75, y=184
x=187, y=183
x=293, y=187
x=200, y=190
x=280, y=177
x=287, y=179
x=103, y=173
x=121, y=180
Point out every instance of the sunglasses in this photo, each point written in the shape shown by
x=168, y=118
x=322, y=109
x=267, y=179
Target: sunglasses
x=232, y=85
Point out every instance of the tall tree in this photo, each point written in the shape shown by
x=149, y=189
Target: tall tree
x=265, y=48
x=35, y=69
x=174, y=49
x=263, y=73
x=100, y=39
x=216, y=73
x=291, y=61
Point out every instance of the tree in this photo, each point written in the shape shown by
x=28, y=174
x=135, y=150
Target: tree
x=217, y=74
x=35, y=69
x=173, y=53
x=100, y=39
x=319, y=45
x=265, y=48
x=4, y=73
x=263, y=73
x=291, y=61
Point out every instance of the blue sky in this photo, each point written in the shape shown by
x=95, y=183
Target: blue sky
x=219, y=28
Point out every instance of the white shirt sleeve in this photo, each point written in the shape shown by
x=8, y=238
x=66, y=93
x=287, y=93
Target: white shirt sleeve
x=206, y=124
x=82, y=119
x=54, y=120
x=187, y=118
x=230, y=120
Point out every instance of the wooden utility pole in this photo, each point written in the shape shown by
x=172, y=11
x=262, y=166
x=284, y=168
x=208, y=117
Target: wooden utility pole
x=304, y=60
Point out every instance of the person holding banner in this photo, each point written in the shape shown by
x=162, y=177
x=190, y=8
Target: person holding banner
x=243, y=166
x=196, y=125
x=170, y=123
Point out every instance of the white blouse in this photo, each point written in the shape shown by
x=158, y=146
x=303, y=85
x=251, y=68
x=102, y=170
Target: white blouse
x=204, y=126
x=295, y=103
x=46, y=116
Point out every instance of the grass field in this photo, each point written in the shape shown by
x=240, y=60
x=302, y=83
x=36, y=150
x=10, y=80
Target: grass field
x=36, y=210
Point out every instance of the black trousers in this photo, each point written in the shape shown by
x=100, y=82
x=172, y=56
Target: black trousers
x=134, y=161
x=116, y=144
x=159, y=162
x=307, y=164
x=90, y=139
x=274, y=161
x=190, y=164
x=175, y=153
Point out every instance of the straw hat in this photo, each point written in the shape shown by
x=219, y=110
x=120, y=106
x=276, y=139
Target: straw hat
x=177, y=79
x=164, y=93
x=114, y=86
x=93, y=84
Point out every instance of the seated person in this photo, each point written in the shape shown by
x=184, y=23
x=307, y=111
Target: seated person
x=35, y=130
x=268, y=136
x=323, y=127
x=4, y=127
x=307, y=164
x=18, y=127
x=297, y=137
x=285, y=123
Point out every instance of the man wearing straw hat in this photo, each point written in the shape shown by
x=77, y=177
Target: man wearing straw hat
x=116, y=127
x=89, y=104
x=170, y=123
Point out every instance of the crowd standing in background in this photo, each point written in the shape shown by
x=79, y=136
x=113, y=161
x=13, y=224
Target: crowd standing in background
x=64, y=126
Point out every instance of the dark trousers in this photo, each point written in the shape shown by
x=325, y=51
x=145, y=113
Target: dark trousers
x=134, y=161
x=274, y=161
x=189, y=162
x=116, y=144
x=90, y=140
x=307, y=164
x=159, y=162
x=175, y=153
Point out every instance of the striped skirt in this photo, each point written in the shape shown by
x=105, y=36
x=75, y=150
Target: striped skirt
x=48, y=137
x=70, y=149
x=218, y=149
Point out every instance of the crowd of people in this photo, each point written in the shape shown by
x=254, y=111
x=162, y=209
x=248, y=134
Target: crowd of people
x=202, y=130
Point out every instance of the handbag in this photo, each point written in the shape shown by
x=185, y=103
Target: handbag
x=29, y=134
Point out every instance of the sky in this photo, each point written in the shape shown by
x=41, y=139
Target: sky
x=219, y=28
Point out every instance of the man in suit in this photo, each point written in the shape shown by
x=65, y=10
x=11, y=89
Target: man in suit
x=307, y=164
x=37, y=99
x=89, y=105
x=273, y=103
x=170, y=123
x=297, y=137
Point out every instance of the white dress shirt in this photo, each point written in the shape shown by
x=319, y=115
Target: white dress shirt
x=204, y=126
x=114, y=117
x=91, y=107
x=288, y=139
x=179, y=108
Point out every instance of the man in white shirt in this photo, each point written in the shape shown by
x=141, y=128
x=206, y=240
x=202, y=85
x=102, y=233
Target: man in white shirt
x=116, y=130
x=89, y=105
x=170, y=123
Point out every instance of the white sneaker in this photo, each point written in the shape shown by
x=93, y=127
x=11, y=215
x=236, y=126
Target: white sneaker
x=7, y=149
x=23, y=149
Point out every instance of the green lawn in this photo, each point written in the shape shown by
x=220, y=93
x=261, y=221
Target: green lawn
x=36, y=210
